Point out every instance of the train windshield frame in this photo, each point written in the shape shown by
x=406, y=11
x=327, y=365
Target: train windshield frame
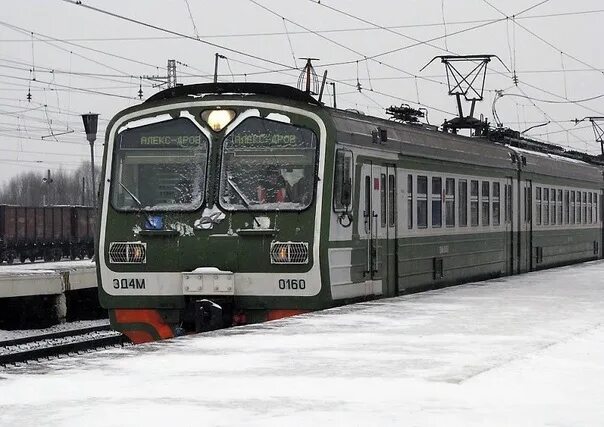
x=160, y=167
x=268, y=165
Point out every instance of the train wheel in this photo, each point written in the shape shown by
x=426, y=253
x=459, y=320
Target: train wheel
x=10, y=258
x=32, y=258
x=22, y=258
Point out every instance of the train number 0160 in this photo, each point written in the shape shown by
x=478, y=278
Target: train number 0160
x=294, y=284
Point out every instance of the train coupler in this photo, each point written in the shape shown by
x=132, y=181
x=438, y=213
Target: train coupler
x=208, y=316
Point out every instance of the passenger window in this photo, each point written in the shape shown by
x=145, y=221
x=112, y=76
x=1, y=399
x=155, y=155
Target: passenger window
x=559, y=204
x=342, y=186
x=485, y=202
x=391, y=200
x=410, y=201
x=545, y=206
x=578, y=208
x=589, y=208
x=463, y=202
x=538, y=204
x=572, y=208
x=553, y=206
x=584, y=207
x=383, y=200
x=422, y=201
x=474, y=203
x=496, y=204
x=566, y=205
x=450, y=202
x=437, y=207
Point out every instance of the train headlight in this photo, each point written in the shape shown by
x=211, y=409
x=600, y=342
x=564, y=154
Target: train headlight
x=218, y=119
x=289, y=253
x=128, y=253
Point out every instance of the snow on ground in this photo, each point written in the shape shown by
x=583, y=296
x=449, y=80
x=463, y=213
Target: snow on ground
x=520, y=351
x=8, y=335
x=45, y=267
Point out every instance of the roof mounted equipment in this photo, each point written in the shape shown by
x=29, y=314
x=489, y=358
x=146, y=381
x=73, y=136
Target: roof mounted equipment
x=465, y=77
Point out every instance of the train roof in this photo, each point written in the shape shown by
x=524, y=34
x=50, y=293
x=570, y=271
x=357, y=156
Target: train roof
x=428, y=142
x=499, y=150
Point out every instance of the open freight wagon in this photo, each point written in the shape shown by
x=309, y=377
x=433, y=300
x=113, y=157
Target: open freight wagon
x=49, y=233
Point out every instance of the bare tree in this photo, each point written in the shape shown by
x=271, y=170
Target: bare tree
x=63, y=188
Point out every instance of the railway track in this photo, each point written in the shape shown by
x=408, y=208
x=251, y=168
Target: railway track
x=53, y=344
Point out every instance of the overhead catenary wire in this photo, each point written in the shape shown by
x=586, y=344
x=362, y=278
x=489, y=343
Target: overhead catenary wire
x=176, y=33
x=279, y=34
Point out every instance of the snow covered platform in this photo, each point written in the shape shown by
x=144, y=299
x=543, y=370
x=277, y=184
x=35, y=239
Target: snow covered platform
x=519, y=351
x=46, y=278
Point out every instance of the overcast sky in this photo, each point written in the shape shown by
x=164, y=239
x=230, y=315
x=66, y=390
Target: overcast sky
x=74, y=60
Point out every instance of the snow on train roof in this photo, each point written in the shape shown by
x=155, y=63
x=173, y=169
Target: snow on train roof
x=556, y=157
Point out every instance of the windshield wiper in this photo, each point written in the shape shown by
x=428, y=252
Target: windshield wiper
x=238, y=191
x=138, y=202
x=242, y=197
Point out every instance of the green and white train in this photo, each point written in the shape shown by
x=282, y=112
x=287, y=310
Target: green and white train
x=225, y=204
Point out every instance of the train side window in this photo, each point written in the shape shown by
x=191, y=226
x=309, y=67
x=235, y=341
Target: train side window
x=422, y=201
x=437, y=206
x=485, y=202
x=450, y=202
x=342, y=185
x=474, y=203
x=559, y=204
x=409, y=201
x=496, y=204
x=391, y=201
x=545, y=204
x=553, y=205
x=589, y=208
x=584, y=207
x=383, y=200
x=538, y=204
x=578, y=208
x=572, y=208
x=463, y=202
x=566, y=205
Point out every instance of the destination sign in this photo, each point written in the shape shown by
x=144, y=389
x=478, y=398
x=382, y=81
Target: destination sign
x=178, y=140
x=265, y=139
x=177, y=133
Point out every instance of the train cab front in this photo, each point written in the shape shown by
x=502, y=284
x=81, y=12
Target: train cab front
x=210, y=215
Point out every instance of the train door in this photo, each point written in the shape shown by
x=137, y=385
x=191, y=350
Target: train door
x=379, y=225
x=526, y=227
x=509, y=225
x=600, y=213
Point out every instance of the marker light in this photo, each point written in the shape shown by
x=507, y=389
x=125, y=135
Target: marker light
x=218, y=119
x=289, y=253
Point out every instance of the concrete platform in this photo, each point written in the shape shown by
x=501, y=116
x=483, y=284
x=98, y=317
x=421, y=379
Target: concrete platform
x=48, y=278
x=519, y=351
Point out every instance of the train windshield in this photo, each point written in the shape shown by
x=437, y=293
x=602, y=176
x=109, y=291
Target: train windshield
x=160, y=167
x=268, y=165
